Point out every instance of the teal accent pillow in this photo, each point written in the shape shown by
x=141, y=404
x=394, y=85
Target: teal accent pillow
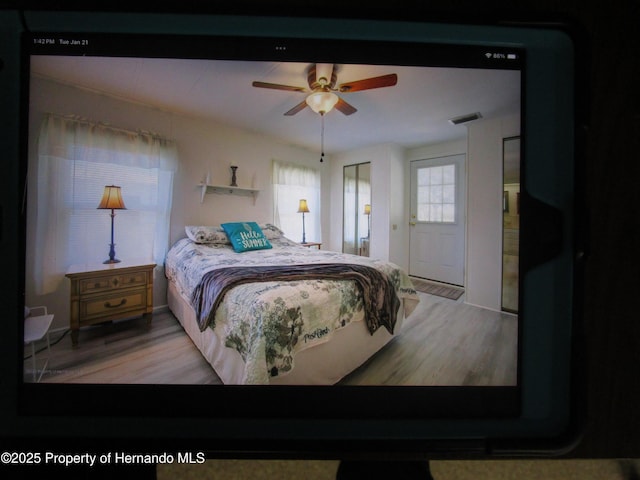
x=246, y=236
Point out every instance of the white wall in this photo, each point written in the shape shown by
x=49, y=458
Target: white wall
x=484, y=212
x=203, y=146
x=207, y=147
x=435, y=150
x=398, y=221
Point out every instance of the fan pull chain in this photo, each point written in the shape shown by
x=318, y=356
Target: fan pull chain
x=322, y=138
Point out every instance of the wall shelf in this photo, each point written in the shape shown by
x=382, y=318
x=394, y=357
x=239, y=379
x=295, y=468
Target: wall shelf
x=226, y=190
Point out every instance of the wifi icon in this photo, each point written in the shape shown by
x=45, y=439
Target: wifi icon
x=488, y=55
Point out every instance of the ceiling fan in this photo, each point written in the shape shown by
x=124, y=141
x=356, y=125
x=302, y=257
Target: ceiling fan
x=323, y=92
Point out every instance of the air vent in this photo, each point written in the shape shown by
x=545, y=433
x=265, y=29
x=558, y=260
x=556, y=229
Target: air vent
x=465, y=118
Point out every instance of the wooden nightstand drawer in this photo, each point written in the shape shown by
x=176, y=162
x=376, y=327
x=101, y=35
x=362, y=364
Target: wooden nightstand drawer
x=113, y=304
x=108, y=283
x=102, y=293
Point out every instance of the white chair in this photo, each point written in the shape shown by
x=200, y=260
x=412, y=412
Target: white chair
x=36, y=328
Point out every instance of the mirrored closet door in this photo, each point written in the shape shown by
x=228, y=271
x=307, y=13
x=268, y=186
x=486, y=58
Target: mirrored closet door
x=510, y=223
x=356, y=226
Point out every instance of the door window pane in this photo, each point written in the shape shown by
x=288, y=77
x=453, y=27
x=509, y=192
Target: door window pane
x=436, y=194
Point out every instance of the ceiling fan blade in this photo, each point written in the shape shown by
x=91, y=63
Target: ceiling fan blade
x=344, y=107
x=277, y=86
x=296, y=109
x=369, y=83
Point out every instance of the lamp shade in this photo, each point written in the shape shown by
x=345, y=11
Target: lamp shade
x=112, y=198
x=367, y=209
x=303, y=207
x=322, y=102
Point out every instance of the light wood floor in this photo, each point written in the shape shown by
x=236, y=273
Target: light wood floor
x=444, y=342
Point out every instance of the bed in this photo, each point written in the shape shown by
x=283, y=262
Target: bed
x=282, y=313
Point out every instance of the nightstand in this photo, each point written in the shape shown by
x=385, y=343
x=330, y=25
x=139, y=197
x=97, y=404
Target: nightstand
x=105, y=292
x=312, y=244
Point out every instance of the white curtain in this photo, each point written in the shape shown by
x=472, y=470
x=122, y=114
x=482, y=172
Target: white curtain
x=76, y=160
x=291, y=183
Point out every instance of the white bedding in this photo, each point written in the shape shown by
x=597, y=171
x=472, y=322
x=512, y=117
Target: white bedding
x=294, y=332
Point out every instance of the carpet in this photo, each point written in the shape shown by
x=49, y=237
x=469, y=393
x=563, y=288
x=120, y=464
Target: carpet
x=433, y=288
x=460, y=469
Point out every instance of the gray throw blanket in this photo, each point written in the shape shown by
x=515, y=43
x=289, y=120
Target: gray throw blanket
x=380, y=300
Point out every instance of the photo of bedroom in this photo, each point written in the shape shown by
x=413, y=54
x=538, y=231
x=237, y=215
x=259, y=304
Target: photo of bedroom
x=202, y=221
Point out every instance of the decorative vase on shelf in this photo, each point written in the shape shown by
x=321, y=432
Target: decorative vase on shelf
x=233, y=176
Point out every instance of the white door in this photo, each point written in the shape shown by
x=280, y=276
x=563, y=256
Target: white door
x=437, y=225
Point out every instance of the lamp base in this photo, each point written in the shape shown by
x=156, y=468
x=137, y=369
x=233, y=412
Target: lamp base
x=112, y=252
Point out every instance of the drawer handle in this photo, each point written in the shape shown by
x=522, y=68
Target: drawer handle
x=108, y=304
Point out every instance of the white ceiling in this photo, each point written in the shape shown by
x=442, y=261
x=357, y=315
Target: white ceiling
x=412, y=113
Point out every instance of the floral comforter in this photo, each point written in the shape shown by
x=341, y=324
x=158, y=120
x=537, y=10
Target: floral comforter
x=268, y=322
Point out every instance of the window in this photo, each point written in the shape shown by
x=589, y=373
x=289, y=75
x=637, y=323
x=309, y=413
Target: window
x=76, y=160
x=290, y=184
x=437, y=194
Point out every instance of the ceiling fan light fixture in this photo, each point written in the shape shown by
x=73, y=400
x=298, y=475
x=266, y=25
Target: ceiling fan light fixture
x=322, y=102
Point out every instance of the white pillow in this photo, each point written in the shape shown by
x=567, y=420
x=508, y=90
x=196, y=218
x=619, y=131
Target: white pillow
x=206, y=234
x=271, y=231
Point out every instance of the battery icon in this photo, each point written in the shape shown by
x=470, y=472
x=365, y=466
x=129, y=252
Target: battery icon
x=511, y=56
